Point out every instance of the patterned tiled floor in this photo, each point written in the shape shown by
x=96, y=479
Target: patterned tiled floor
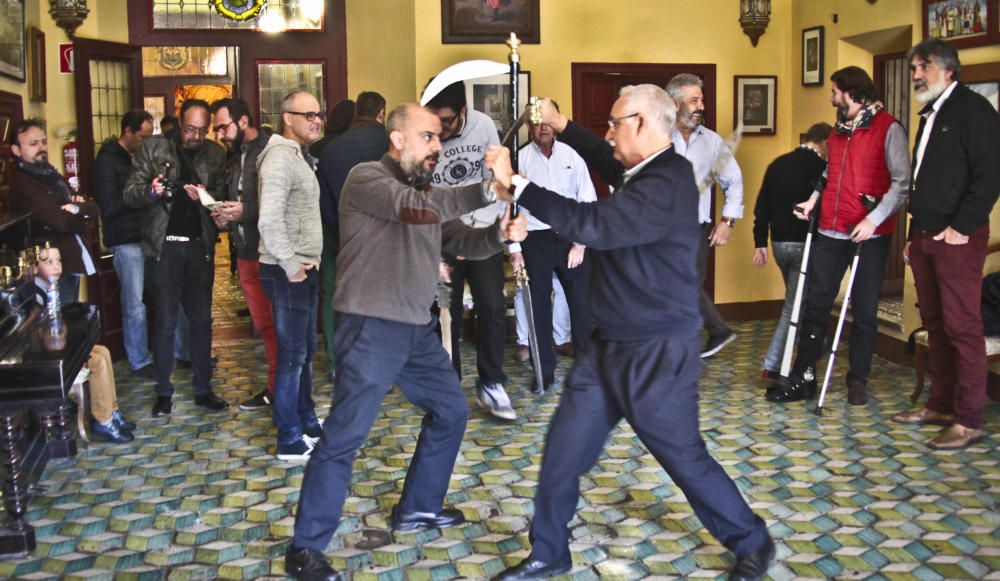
x=199, y=496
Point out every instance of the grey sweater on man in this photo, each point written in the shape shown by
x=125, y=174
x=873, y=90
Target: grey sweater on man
x=291, y=232
x=392, y=232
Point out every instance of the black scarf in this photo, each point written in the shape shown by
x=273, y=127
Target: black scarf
x=48, y=174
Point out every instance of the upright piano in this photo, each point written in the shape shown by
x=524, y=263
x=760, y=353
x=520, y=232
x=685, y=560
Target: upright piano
x=39, y=359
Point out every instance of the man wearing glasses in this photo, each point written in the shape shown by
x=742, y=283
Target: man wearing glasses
x=643, y=360
x=465, y=135
x=291, y=244
x=178, y=239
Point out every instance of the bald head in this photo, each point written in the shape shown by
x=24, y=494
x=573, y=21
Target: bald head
x=414, y=139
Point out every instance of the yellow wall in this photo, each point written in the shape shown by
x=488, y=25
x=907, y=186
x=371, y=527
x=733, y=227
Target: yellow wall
x=381, y=49
x=106, y=21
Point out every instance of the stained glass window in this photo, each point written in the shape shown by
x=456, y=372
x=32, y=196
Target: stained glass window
x=109, y=97
x=279, y=79
x=202, y=15
x=186, y=61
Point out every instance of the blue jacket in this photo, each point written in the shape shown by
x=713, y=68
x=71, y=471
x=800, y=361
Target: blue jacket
x=644, y=241
x=364, y=141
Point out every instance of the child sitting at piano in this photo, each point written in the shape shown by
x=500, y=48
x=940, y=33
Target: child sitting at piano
x=109, y=423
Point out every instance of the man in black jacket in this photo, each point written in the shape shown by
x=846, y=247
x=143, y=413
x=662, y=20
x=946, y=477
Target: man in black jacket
x=366, y=140
x=789, y=180
x=956, y=179
x=235, y=128
x=643, y=361
x=123, y=234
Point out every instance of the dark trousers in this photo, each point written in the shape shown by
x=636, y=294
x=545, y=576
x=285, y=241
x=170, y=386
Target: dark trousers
x=372, y=355
x=653, y=384
x=712, y=320
x=545, y=253
x=828, y=262
x=485, y=279
x=183, y=276
x=293, y=308
x=949, y=290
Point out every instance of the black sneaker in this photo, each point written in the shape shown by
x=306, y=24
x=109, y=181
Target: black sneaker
x=715, y=344
x=261, y=400
x=796, y=389
x=297, y=451
x=119, y=418
x=183, y=364
x=211, y=401
x=162, y=406
x=309, y=565
x=145, y=372
x=110, y=432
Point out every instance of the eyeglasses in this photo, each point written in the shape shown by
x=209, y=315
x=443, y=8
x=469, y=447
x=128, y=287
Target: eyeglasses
x=191, y=130
x=448, y=121
x=309, y=115
x=223, y=126
x=614, y=122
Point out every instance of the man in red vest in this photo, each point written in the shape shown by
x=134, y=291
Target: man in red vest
x=868, y=157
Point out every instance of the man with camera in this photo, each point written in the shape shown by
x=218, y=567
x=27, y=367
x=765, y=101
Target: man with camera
x=170, y=174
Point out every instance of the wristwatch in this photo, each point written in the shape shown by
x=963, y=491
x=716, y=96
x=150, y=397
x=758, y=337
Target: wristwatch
x=731, y=222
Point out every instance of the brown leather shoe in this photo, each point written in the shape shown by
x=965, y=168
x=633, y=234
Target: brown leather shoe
x=956, y=437
x=924, y=417
x=566, y=349
x=523, y=354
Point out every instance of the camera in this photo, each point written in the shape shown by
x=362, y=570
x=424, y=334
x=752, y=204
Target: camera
x=170, y=187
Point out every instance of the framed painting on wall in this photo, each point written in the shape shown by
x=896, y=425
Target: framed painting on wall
x=754, y=106
x=491, y=96
x=12, y=39
x=963, y=23
x=37, y=88
x=812, y=56
x=489, y=21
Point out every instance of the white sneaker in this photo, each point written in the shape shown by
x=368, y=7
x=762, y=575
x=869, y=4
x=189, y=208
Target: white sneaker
x=493, y=397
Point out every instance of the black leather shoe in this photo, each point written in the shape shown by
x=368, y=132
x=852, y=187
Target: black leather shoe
x=796, y=390
x=309, y=565
x=119, y=418
x=753, y=567
x=415, y=521
x=110, y=432
x=857, y=391
x=162, y=406
x=533, y=569
x=211, y=401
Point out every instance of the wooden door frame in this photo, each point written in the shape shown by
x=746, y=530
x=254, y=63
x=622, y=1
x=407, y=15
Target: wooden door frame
x=12, y=103
x=894, y=261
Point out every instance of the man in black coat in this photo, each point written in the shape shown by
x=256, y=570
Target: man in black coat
x=956, y=179
x=366, y=140
x=644, y=360
x=123, y=233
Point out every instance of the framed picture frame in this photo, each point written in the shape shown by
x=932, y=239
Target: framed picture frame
x=491, y=96
x=37, y=87
x=963, y=23
x=988, y=89
x=812, y=56
x=489, y=21
x=12, y=40
x=755, y=104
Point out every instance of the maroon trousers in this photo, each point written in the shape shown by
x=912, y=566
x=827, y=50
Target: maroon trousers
x=260, y=314
x=949, y=280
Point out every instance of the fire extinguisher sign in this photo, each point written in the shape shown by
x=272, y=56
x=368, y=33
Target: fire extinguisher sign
x=67, y=62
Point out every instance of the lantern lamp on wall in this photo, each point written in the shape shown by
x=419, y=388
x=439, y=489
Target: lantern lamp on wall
x=68, y=14
x=754, y=18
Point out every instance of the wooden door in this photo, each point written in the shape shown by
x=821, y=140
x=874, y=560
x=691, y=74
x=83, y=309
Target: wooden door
x=108, y=85
x=892, y=79
x=11, y=114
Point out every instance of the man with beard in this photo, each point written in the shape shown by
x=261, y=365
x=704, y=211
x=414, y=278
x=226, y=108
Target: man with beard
x=393, y=226
x=178, y=239
x=868, y=162
x=123, y=234
x=642, y=363
x=713, y=163
x=38, y=188
x=291, y=242
x=235, y=128
x=956, y=177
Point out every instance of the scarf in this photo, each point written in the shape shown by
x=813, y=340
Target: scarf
x=48, y=174
x=862, y=119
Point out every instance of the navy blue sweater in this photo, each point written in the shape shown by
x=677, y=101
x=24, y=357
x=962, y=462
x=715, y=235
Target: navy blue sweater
x=644, y=241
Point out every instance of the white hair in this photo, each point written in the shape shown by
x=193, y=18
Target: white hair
x=654, y=102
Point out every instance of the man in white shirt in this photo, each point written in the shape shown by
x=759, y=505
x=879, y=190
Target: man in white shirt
x=713, y=164
x=555, y=166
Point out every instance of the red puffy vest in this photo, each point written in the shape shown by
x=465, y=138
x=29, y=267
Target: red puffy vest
x=856, y=166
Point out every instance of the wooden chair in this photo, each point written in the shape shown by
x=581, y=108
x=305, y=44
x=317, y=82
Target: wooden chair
x=920, y=338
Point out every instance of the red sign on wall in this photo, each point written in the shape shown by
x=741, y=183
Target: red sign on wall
x=67, y=62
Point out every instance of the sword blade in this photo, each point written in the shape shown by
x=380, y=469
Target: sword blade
x=532, y=334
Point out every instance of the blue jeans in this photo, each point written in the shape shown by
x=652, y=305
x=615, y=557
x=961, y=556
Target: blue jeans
x=130, y=265
x=788, y=257
x=294, y=307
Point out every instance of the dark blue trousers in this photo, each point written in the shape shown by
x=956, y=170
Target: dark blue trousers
x=653, y=384
x=372, y=355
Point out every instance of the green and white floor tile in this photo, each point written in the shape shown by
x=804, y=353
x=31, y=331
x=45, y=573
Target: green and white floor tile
x=200, y=496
